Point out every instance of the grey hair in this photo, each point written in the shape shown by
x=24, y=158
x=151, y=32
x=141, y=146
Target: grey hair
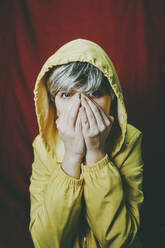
x=83, y=76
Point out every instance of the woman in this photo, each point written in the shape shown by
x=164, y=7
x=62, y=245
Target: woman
x=87, y=171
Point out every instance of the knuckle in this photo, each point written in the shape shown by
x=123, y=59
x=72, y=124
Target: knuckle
x=102, y=128
x=108, y=122
x=93, y=133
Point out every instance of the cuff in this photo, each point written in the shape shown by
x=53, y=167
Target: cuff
x=97, y=166
x=66, y=179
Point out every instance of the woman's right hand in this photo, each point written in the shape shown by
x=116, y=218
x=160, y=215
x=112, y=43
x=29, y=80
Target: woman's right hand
x=70, y=130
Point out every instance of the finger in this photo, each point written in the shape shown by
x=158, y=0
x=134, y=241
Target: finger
x=111, y=119
x=57, y=123
x=97, y=113
x=72, y=113
x=89, y=113
x=84, y=119
x=61, y=120
x=78, y=127
x=67, y=116
x=106, y=119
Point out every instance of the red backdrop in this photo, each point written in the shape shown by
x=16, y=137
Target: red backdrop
x=131, y=32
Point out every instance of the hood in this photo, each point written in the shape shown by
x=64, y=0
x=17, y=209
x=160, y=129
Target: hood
x=84, y=51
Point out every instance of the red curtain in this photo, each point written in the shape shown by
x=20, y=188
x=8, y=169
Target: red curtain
x=132, y=33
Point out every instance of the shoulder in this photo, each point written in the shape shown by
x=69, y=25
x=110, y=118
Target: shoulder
x=132, y=134
x=131, y=147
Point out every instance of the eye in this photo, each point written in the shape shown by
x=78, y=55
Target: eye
x=65, y=94
x=96, y=93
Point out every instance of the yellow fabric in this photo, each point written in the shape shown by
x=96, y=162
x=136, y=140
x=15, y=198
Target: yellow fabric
x=103, y=204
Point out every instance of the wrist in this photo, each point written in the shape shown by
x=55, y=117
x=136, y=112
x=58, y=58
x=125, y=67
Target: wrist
x=93, y=157
x=71, y=165
x=73, y=157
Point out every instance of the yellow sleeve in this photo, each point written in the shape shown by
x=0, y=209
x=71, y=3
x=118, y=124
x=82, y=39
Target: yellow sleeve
x=55, y=206
x=113, y=196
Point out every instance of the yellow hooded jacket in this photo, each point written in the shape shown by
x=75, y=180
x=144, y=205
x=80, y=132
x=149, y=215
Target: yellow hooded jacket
x=101, y=209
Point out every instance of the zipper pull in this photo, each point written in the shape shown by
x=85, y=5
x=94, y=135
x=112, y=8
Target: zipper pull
x=85, y=242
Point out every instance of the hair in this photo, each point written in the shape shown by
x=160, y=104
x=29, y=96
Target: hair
x=83, y=76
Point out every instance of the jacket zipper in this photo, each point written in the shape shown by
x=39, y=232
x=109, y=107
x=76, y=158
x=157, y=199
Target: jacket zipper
x=85, y=242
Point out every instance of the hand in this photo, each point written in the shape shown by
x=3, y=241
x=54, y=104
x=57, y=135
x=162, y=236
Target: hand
x=70, y=130
x=96, y=127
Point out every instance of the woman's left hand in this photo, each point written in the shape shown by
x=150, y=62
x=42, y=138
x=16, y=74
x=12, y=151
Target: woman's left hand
x=96, y=128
